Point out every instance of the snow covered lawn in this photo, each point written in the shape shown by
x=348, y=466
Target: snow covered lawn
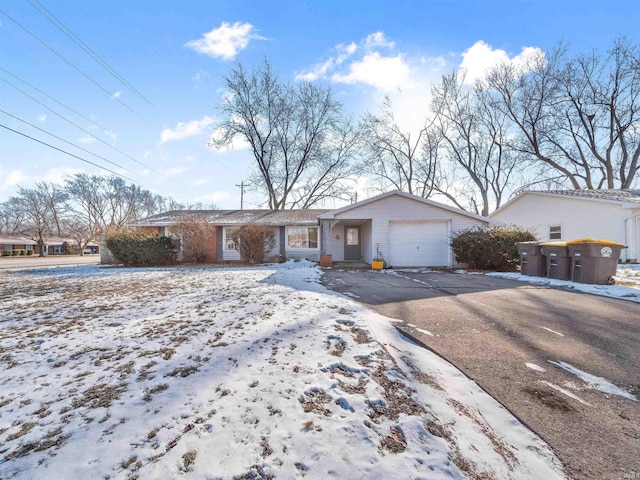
x=233, y=373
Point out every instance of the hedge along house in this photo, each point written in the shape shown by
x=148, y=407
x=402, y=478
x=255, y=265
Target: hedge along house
x=296, y=231
x=561, y=215
x=405, y=230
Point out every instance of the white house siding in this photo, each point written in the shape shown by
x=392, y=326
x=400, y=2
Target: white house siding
x=334, y=242
x=399, y=208
x=579, y=218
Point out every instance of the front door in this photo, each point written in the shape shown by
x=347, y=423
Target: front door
x=352, y=244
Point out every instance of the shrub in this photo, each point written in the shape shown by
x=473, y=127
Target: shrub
x=490, y=248
x=198, y=236
x=134, y=249
x=254, y=242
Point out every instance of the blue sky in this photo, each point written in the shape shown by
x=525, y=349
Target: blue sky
x=175, y=54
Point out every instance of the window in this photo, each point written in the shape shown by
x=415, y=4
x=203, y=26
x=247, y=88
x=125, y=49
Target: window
x=302, y=237
x=555, y=232
x=352, y=236
x=229, y=244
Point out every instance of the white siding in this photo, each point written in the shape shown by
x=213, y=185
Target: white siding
x=579, y=218
x=335, y=245
x=397, y=208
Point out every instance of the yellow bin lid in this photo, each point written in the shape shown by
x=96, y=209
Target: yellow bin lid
x=594, y=240
x=553, y=244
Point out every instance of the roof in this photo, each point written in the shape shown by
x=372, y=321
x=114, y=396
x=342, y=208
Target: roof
x=15, y=240
x=626, y=197
x=236, y=217
x=332, y=213
x=623, y=195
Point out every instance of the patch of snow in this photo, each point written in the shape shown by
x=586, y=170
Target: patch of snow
x=426, y=332
x=233, y=373
x=565, y=391
x=535, y=367
x=552, y=331
x=593, y=381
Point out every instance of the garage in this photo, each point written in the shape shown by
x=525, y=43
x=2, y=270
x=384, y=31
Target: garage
x=413, y=244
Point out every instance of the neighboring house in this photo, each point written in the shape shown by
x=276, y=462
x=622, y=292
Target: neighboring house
x=12, y=245
x=53, y=246
x=406, y=230
x=571, y=214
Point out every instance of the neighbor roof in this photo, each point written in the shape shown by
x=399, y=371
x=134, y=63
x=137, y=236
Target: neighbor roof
x=630, y=197
x=16, y=240
x=236, y=217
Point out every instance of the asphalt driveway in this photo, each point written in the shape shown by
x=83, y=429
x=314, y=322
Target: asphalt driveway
x=522, y=344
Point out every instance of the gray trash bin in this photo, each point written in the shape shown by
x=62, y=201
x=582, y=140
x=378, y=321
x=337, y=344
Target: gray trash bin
x=532, y=262
x=594, y=261
x=558, y=260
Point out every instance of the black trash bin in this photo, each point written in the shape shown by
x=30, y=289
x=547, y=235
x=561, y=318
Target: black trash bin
x=532, y=262
x=558, y=260
x=594, y=261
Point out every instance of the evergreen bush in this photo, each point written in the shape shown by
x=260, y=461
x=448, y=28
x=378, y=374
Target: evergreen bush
x=134, y=249
x=490, y=248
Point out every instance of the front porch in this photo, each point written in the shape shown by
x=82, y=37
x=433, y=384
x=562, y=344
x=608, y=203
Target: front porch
x=348, y=240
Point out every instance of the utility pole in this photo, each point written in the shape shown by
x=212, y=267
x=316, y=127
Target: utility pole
x=242, y=187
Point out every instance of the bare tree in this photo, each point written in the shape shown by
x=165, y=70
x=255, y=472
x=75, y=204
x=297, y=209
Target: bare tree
x=579, y=116
x=393, y=157
x=38, y=206
x=473, y=133
x=301, y=144
x=254, y=242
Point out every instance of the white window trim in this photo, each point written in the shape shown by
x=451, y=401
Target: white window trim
x=301, y=249
x=224, y=239
x=561, y=231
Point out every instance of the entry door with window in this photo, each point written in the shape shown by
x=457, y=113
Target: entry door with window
x=352, y=244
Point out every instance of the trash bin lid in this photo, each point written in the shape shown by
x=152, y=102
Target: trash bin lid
x=553, y=244
x=594, y=240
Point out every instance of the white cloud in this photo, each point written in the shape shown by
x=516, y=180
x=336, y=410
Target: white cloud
x=238, y=143
x=42, y=118
x=116, y=95
x=218, y=196
x=186, y=129
x=175, y=171
x=87, y=140
x=384, y=73
x=387, y=72
x=112, y=135
x=378, y=40
x=481, y=57
x=319, y=70
x=15, y=177
x=58, y=175
x=199, y=182
x=225, y=41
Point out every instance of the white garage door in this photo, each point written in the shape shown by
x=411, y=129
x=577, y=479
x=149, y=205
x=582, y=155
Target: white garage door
x=418, y=244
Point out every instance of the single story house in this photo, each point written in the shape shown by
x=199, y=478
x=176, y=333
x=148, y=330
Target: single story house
x=405, y=230
x=571, y=214
x=12, y=245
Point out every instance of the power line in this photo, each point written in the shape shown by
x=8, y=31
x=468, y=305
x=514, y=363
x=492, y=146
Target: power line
x=67, y=153
x=85, y=131
x=52, y=98
x=65, y=141
x=69, y=63
x=75, y=39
